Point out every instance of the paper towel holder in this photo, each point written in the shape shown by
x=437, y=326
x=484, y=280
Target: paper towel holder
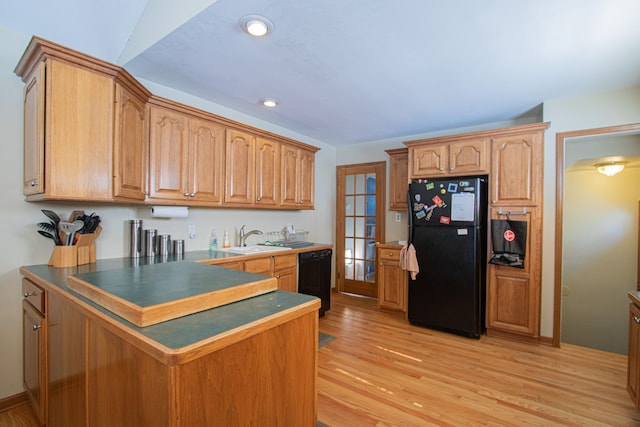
x=168, y=211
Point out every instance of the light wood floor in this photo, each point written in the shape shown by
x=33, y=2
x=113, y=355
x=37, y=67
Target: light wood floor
x=381, y=371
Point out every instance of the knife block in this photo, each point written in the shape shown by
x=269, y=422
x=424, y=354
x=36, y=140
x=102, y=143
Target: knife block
x=64, y=256
x=87, y=247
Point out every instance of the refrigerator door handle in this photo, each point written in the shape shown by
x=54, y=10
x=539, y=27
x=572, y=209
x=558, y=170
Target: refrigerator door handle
x=410, y=217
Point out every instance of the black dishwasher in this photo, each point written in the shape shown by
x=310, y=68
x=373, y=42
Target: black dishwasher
x=314, y=276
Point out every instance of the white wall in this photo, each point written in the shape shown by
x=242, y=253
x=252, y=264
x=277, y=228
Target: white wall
x=570, y=114
x=600, y=241
x=23, y=246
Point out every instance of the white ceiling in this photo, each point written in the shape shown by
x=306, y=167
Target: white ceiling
x=358, y=70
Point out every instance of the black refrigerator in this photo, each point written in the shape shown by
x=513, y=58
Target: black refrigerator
x=448, y=229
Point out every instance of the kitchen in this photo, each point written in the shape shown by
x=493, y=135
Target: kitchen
x=589, y=110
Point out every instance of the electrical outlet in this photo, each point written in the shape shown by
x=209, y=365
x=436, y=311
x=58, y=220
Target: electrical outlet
x=192, y=232
x=397, y=216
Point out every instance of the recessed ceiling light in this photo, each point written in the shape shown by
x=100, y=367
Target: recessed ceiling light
x=256, y=25
x=269, y=102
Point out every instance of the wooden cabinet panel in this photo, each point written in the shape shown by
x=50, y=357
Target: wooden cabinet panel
x=447, y=156
x=429, y=160
x=206, y=161
x=34, y=107
x=67, y=339
x=259, y=266
x=392, y=280
x=633, y=359
x=267, y=185
x=516, y=170
x=34, y=335
x=240, y=167
x=285, y=269
x=398, y=178
x=130, y=146
x=168, y=154
x=513, y=294
x=469, y=157
x=297, y=177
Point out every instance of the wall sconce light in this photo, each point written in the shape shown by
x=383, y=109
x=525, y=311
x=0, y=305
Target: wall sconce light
x=610, y=168
x=256, y=25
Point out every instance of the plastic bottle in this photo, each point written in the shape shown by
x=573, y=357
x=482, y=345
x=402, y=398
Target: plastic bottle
x=213, y=243
x=227, y=241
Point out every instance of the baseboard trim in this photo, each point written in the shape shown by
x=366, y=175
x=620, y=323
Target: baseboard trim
x=13, y=401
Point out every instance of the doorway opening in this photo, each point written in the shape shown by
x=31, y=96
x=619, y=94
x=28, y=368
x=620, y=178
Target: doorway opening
x=360, y=219
x=590, y=279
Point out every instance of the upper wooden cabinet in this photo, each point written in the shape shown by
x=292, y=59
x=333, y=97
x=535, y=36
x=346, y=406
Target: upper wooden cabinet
x=68, y=122
x=186, y=157
x=516, y=169
x=93, y=133
x=130, y=145
x=448, y=156
x=297, y=177
x=240, y=164
x=398, y=178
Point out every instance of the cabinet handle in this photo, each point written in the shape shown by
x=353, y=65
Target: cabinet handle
x=636, y=319
x=192, y=195
x=493, y=202
x=259, y=198
x=33, y=183
x=36, y=327
x=186, y=194
x=390, y=253
x=30, y=294
x=441, y=169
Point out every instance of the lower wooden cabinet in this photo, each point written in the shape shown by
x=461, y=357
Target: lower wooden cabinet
x=282, y=267
x=34, y=335
x=633, y=359
x=513, y=294
x=392, y=280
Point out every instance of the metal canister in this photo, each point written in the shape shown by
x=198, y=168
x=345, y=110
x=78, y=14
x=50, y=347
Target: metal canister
x=163, y=244
x=135, y=242
x=178, y=248
x=150, y=242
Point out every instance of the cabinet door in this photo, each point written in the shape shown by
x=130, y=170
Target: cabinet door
x=306, y=179
x=392, y=280
x=206, y=161
x=130, y=146
x=78, y=133
x=633, y=359
x=34, y=132
x=259, y=266
x=35, y=358
x=470, y=156
x=287, y=279
x=513, y=294
x=398, y=172
x=240, y=167
x=168, y=154
x=516, y=170
x=429, y=160
x=267, y=172
x=289, y=175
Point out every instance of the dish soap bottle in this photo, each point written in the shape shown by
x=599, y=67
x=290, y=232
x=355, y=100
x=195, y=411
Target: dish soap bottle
x=213, y=244
x=227, y=241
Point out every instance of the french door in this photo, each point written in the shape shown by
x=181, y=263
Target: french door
x=360, y=218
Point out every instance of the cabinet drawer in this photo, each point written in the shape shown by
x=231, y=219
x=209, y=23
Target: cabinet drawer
x=285, y=261
x=389, y=254
x=260, y=266
x=34, y=294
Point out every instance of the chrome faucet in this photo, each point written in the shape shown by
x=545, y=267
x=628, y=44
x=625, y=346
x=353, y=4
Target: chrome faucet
x=243, y=235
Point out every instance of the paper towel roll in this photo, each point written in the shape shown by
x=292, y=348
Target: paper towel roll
x=169, y=211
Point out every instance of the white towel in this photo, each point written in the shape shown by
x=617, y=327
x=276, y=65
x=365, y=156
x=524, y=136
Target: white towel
x=408, y=260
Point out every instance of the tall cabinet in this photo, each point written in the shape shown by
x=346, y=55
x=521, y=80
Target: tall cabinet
x=513, y=160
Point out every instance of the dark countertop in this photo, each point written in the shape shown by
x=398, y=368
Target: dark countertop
x=187, y=330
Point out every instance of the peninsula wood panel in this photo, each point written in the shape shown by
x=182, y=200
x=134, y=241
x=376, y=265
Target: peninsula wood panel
x=285, y=384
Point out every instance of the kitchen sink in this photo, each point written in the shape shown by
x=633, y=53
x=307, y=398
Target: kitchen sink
x=254, y=249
